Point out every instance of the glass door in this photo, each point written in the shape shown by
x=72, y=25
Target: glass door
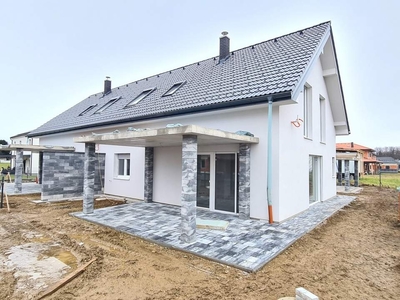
x=314, y=178
x=203, y=180
x=225, y=183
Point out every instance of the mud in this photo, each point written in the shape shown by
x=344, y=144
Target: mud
x=353, y=255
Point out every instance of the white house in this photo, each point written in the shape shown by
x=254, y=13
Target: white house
x=30, y=159
x=286, y=92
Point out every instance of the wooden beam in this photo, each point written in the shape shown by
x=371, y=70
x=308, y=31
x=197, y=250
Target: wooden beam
x=67, y=279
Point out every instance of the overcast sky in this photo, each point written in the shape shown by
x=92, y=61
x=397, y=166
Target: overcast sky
x=54, y=54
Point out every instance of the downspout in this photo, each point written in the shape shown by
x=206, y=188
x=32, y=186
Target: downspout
x=269, y=161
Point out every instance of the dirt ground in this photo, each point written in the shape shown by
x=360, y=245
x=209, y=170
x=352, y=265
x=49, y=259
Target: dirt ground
x=353, y=255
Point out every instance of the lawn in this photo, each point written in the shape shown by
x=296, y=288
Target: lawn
x=4, y=165
x=391, y=180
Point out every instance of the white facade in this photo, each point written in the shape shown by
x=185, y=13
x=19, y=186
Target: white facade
x=290, y=149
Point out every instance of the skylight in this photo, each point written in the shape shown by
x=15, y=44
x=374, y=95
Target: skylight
x=140, y=97
x=174, y=88
x=87, y=109
x=107, y=105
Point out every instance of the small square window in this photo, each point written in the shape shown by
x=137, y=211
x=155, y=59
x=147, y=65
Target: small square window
x=140, y=97
x=122, y=166
x=174, y=88
x=107, y=105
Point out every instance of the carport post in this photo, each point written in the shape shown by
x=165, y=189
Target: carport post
x=346, y=175
x=189, y=188
x=339, y=174
x=19, y=164
x=148, y=174
x=244, y=181
x=356, y=177
x=88, y=179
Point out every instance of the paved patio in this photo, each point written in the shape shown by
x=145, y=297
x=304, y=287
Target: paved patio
x=27, y=188
x=245, y=244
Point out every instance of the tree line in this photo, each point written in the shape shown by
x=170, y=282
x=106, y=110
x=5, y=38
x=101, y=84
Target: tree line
x=388, y=152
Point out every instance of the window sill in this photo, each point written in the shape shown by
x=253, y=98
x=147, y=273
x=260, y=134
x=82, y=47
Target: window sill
x=126, y=178
x=308, y=138
x=323, y=143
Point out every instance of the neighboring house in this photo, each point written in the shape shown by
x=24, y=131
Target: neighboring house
x=286, y=91
x=368, y=162
x=388, y=164
x=355, y=158
x=30, y=159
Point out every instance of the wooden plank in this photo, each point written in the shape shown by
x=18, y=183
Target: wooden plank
x=8, y=205
x=67, y=279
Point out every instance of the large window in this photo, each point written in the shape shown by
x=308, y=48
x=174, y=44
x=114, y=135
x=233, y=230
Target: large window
x=307, y=110
x=122, y=166
x=322, y=119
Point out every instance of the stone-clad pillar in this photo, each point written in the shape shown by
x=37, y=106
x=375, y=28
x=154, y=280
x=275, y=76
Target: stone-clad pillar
x=19, y=165
x=339, y=172
x=40, y=171
x=189, y=188
x=88, y=178
x=244, y=181
x=346, y=175
x=356, y=175
x=148, y=174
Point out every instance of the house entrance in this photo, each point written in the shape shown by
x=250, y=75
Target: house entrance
x=314, y=178
x=216, y=181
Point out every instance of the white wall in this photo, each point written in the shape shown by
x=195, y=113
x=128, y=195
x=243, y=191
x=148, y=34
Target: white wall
x=294, y=150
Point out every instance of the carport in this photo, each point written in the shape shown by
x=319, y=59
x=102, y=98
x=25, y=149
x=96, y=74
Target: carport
x=188, y=137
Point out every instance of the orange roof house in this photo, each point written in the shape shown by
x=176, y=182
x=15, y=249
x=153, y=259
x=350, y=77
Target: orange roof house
x=368, y=163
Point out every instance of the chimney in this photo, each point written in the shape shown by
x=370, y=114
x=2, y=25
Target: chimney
x=107, y=86
x=352, y=145
x=223, y=46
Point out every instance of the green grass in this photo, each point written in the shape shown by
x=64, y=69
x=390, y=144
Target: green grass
x=391, y=180
x=4, y=165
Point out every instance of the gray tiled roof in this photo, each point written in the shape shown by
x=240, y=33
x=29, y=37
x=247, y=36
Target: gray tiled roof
x=269, y=68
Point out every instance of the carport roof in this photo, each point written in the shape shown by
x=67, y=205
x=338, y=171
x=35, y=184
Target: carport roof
x=164, y=137
x=37, y=148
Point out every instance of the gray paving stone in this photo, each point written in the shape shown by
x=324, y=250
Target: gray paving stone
x=246, y=244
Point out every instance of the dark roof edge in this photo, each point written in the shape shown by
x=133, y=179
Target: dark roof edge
x=243, y=102
x=340, y=81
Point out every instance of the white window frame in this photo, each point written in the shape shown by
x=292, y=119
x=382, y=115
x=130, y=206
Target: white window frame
x=322, y=119
x=307, y=111
x=125, y=158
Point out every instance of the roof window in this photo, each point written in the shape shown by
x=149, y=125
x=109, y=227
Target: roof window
x=87, y=109
x=107, y=105
x=140, y=97
x=174, y=88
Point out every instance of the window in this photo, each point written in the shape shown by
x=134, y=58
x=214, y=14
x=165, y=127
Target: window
x=307, y=107
x=322, y=119
x=140, y=97
x=88, y=109
x=122, y=166
x=174, y=88
x=107, y=105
